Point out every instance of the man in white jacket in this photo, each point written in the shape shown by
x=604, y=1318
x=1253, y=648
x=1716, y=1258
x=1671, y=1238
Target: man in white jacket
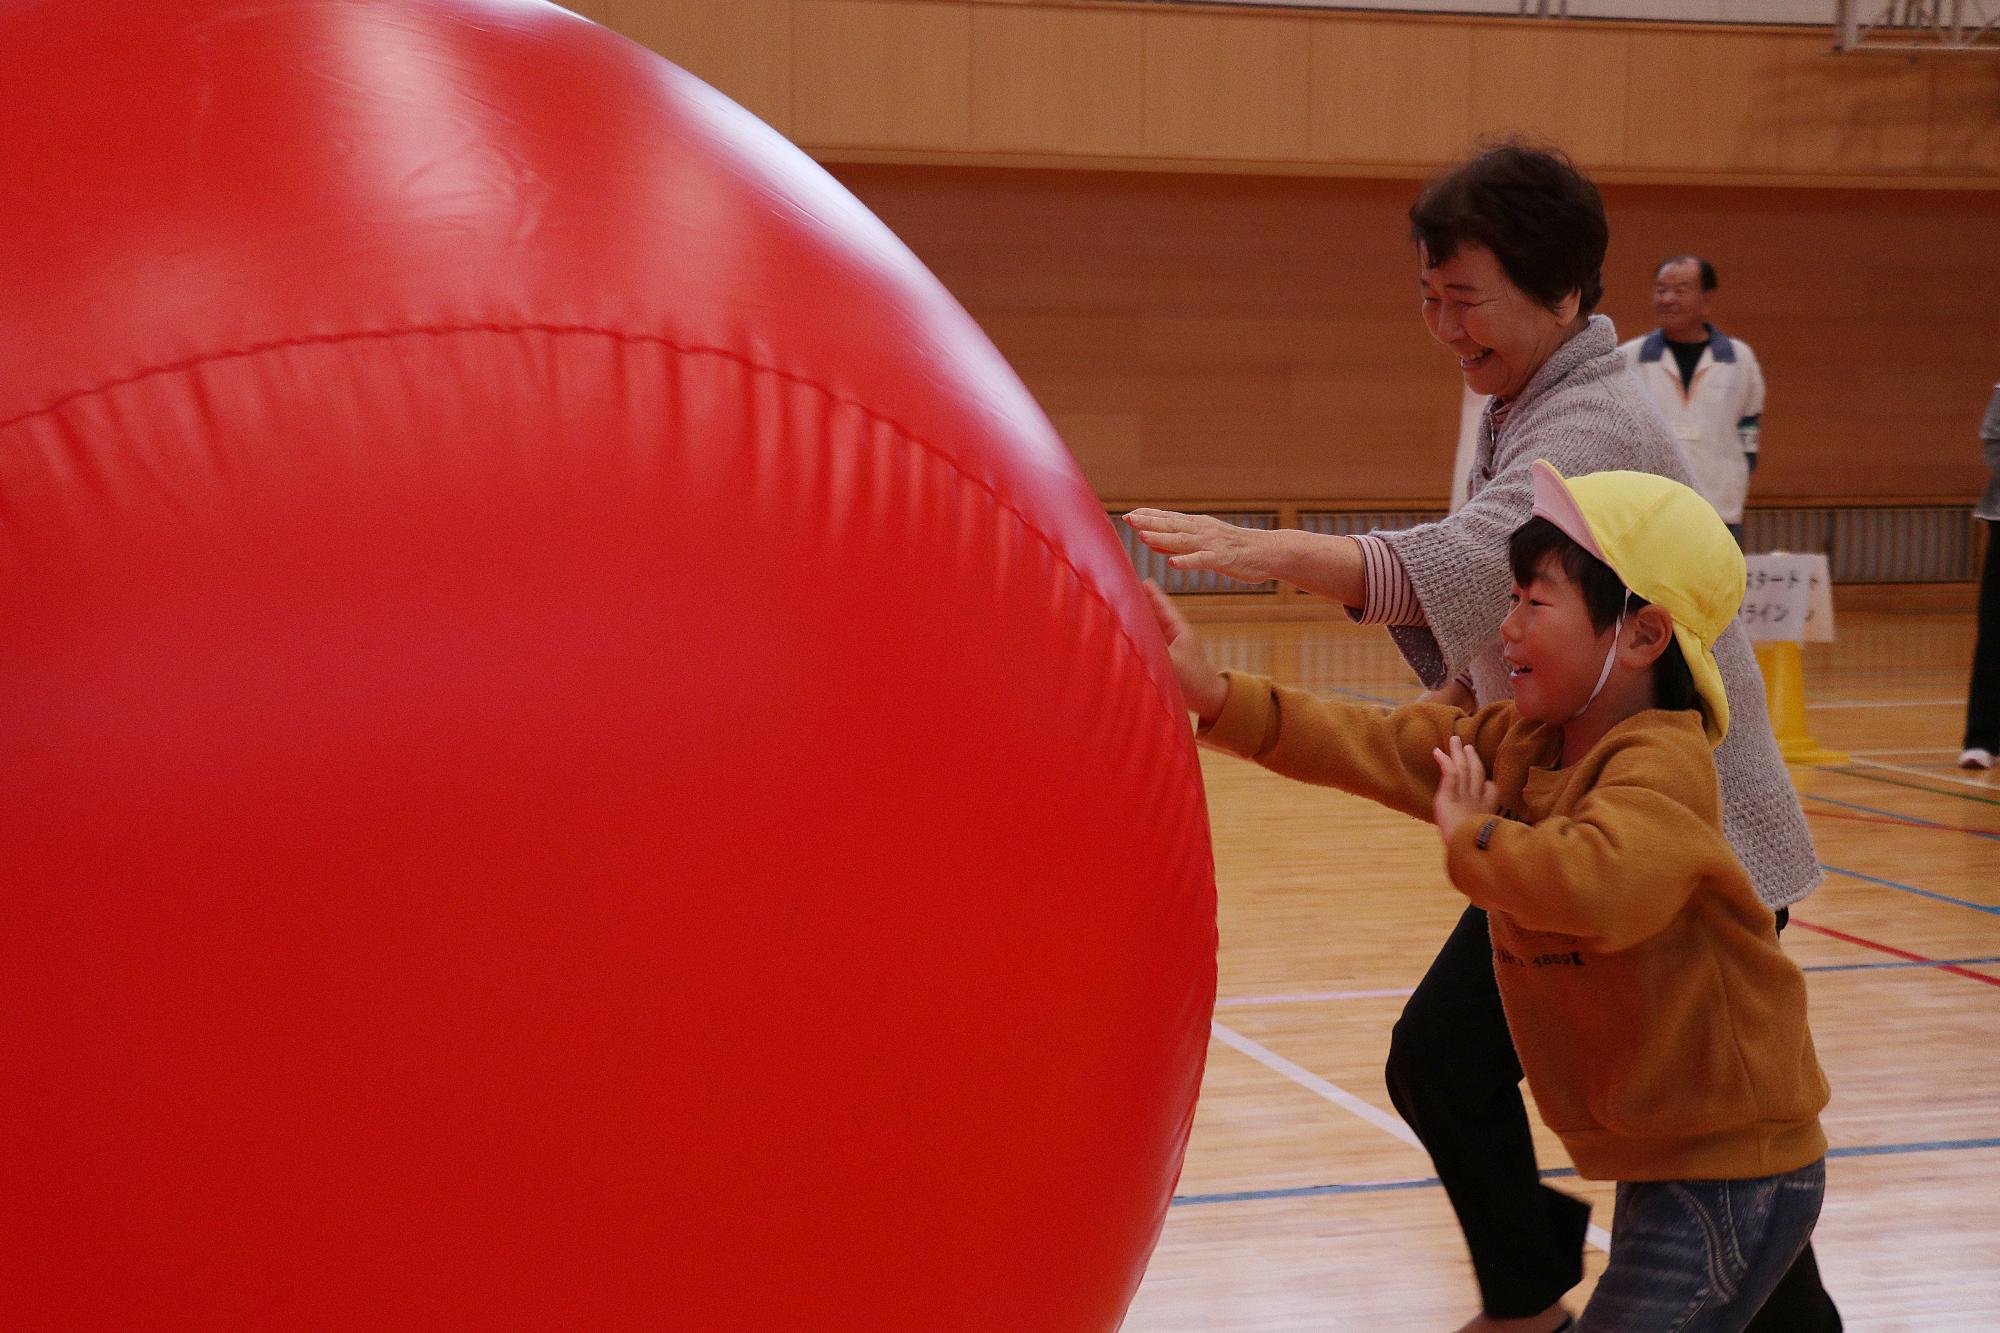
x=1705, y=383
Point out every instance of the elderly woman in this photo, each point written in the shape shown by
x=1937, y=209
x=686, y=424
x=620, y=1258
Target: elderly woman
x=1511, y=248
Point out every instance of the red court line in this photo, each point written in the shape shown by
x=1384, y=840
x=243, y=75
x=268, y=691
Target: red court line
x=1904, y=954
x=1900, y=823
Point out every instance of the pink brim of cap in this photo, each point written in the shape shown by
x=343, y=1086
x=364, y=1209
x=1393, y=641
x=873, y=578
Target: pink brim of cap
x=1554, y=503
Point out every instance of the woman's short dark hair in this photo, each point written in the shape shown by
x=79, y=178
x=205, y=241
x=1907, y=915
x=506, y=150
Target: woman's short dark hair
x=1605, y=597
x=1529, y=205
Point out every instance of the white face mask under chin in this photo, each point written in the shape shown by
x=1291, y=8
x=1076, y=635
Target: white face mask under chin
x=1610, y=656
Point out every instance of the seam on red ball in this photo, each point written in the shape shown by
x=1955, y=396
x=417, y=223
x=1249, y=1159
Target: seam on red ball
x=620, y=335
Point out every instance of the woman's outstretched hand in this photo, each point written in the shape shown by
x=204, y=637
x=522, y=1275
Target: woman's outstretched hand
x=1196, y=541
x=1201, y=684
x=1464, y=792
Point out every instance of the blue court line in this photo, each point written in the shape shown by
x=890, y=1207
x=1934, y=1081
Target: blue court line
x=1305, y=1192
x=1908, y=888
x=1900, y=817
x=1892, y=1149
x=1876, y=967
x=1551, y=1173
x=1848, y=771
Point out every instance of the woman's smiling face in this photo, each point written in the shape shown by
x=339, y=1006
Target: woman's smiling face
x=1500, y=334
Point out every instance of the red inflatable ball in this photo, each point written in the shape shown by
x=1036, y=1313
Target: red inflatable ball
x=576, y=752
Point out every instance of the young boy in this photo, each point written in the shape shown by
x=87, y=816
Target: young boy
x=1661, y=1029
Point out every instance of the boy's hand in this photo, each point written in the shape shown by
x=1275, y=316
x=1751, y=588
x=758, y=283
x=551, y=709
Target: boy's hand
x=1463, y=790
x=1201, y=684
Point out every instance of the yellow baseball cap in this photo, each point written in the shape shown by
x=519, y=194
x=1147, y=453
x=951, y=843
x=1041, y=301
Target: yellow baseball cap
x=1666, y=544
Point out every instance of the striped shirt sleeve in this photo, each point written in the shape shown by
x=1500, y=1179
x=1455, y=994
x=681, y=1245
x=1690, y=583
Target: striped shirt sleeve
x=1388, y=596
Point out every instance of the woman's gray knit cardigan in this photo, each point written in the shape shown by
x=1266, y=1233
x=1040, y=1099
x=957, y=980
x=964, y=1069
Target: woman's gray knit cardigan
x=1585, y=412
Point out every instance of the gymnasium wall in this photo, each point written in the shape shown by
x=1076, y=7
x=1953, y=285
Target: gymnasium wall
x=1199, y=337
x=1678, y=11
x=1112, y=83
x=1185, y=226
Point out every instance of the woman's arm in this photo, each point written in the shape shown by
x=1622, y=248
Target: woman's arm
x=1319, y=563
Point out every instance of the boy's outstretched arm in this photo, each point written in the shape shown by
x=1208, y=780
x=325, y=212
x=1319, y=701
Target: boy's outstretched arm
x=1385, y=756
x=1204, y=687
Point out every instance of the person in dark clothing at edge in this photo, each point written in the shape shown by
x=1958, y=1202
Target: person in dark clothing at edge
x=1510, y=250
x=1982, y=704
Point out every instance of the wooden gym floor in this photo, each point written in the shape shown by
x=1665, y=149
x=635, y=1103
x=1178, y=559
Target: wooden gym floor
x=1305, y=1204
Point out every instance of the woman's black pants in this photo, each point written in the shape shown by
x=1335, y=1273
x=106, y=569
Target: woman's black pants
x=1982, y=707
x=1455, y=1078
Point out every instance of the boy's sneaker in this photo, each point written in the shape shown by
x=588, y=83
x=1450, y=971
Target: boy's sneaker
x=1975, y=757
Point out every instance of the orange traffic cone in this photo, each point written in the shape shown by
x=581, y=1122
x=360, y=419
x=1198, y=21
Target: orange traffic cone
x=1783, y=665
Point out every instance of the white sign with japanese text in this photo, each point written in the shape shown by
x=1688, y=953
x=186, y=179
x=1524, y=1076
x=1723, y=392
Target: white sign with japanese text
x=1789, y=598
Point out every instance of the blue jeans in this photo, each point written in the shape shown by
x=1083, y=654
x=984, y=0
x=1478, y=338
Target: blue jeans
x=1701, y=1256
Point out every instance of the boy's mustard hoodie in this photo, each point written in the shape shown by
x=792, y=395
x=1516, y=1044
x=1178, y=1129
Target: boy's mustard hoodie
x=1662, y=1029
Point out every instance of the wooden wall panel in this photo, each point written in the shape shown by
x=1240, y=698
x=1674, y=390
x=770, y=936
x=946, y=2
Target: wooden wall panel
x=1964, y=128
x=1707, y=101
x=1255, y=336
x=1855, y=113
x=744, y=50
x=1390, y=92
x=1216, y=338
x=1197, y=335
x=882, y=74
x=1228, y=86
x=1050, y=81
x=1091, y=83
x=1563, y=84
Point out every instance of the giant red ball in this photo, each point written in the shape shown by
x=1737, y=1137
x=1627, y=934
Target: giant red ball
x=574, y=752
